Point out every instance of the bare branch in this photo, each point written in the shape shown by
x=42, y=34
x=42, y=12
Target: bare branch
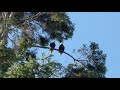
x=63, y=52
x=11, y=40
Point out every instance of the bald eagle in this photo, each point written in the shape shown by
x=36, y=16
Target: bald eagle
x=52, y=46
x=61, y=48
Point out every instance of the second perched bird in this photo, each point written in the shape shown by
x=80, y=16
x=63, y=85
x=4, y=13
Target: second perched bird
x=61, y=48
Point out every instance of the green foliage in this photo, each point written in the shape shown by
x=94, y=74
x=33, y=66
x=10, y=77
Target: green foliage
x=24, y=70
x=47, y=23
x=73, y=71
x=7, y=58
x=93, y=68
x=21, y=31
x=48, y=68
x=32, y=69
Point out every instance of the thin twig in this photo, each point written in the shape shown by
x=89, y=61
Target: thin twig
x=11, y=40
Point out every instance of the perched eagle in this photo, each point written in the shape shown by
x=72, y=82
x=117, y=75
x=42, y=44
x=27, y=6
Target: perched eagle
x=52, y=46
x=61, y=48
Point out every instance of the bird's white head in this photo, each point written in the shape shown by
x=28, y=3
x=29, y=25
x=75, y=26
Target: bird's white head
x=61, y=43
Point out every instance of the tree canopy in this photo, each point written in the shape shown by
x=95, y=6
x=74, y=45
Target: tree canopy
x=20, y=32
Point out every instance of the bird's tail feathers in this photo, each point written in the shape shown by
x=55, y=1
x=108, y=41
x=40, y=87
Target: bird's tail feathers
x=51, y=50
x=60, y=52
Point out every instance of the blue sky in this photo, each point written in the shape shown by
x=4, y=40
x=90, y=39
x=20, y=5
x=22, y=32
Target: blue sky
x=102, y=28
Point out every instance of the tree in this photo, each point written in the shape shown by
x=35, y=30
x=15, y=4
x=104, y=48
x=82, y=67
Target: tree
x=22, y=32
x=31, y=28
x=32, y=69
x=7, y=58
x=94, y=67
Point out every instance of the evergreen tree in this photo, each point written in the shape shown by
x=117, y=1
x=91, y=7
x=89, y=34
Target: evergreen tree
x=20, y=32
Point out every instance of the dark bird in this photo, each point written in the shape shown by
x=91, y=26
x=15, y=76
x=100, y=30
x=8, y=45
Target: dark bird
x=61, y=48
x=52, y=46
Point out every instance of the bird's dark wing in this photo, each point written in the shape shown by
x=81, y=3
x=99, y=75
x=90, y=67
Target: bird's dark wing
x=63, y=48
x=52, y=45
